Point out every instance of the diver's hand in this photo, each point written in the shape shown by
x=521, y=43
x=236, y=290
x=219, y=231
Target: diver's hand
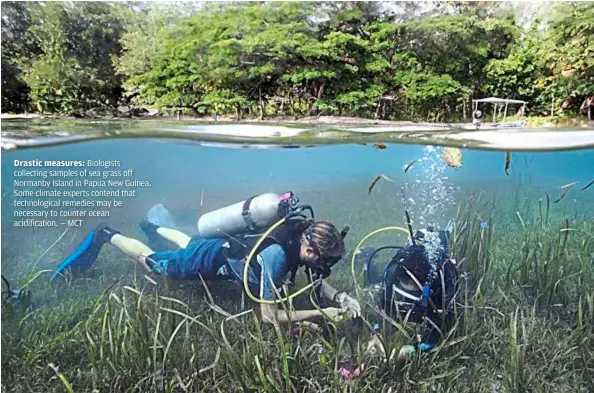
x=335, y=314
x=310, y=325
x=374, y=346
x=350, y=305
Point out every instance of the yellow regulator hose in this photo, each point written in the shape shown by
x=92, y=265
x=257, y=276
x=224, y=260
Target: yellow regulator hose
x=305, y=288
x=370, y=234
x=247, y=264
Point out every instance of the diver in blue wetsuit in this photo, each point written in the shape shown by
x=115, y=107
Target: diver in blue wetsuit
x=419, y=285
x=297, y=242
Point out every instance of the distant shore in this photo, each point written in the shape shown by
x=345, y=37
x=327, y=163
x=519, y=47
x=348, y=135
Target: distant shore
x=330, y=120
x=223, y=118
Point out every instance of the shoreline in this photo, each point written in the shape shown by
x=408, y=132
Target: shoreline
x=305, y=131
x=227, y=119
x=325, y=120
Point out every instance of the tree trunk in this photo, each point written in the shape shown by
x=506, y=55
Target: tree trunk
x=464, y=109
x=237, y=111
x=282, y=107
x=310, y=105
x=377, y=109
x=321, y=90
x=261, y=105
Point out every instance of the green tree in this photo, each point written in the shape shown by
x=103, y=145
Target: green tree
x=17, y=46
x=371, y=59
x=567, y=56
x=146, y=26
x=73, y=71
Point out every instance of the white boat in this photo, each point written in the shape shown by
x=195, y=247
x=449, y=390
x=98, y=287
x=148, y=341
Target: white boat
x=498, y=122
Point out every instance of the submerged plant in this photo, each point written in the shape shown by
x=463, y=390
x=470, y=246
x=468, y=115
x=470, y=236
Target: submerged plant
x=524, y=315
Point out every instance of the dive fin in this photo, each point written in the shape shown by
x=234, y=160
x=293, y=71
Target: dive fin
x=157, y=216
x=160, y=216
x=86, y=253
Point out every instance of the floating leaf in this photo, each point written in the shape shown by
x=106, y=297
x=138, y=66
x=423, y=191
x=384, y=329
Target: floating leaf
x=565, y=190
x=588, y=186
x=452, y=156
x=375, y=180
x=410, y=164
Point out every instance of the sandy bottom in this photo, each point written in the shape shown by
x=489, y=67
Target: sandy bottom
x=420, y=127
x=243, y=130
x=524, y=139
x=518, y=139
x=510, y=138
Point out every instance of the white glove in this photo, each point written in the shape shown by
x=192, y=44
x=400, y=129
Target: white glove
x=407, y=351
x=348, y=304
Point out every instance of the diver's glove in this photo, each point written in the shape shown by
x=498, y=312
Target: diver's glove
x=407, y=351
x=348, y=304
x=154, y=266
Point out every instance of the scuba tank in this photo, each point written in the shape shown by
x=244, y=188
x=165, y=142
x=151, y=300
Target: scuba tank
x=253, y=214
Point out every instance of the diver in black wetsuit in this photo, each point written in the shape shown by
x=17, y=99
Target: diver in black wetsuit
x=418, y=285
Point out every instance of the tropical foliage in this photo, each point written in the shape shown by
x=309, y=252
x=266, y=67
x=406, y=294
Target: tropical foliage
x=293, y=59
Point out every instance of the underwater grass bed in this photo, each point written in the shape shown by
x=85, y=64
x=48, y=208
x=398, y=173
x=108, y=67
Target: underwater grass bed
x=525, y=313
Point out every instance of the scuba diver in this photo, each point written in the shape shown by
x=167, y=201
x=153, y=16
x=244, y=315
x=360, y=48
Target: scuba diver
x=477, y=117
x=418, y=285
x=269, y=228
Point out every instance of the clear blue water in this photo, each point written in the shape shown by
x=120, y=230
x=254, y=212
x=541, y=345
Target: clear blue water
x=174, y=164
x=334, y=179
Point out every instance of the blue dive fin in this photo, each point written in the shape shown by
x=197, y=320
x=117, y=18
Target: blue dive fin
x=82, y=258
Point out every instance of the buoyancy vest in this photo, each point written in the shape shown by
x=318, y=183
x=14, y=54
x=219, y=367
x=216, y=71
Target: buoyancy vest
x=393, y=298
x=287, y=236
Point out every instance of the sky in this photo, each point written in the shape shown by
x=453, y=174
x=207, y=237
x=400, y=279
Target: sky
x=526, y=10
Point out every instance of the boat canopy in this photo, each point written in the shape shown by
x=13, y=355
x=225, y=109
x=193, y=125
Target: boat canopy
x=498, y=105
x=495, y=100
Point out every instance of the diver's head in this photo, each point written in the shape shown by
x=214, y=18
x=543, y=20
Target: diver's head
x=321, y=241
x=414, y=266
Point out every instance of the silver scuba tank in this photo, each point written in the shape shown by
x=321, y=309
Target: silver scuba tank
x=253, y=213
